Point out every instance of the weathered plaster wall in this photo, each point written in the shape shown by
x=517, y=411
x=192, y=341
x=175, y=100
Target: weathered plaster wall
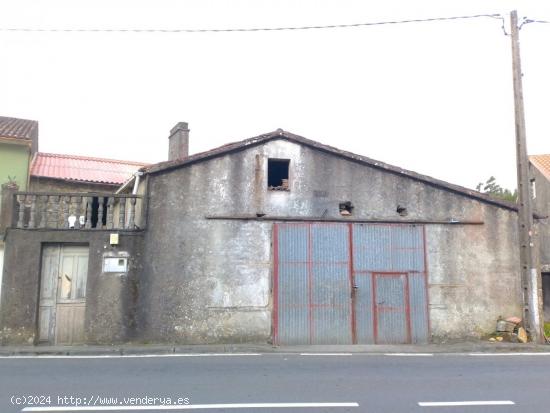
x=1, y=268
x=111, y=298
x=210, y=280
x=542, y=206
x=473, y=274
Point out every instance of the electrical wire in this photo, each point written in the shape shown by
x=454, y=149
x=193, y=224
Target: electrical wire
x=252, y=29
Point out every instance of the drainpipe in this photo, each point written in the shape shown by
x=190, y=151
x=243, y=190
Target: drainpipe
x=136, y=182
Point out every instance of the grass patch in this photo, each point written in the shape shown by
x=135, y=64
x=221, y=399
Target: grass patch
x=547, y=329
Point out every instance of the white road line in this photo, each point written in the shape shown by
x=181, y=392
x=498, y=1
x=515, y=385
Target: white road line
x=508, y=354
x=409, y=354
x=470, y=403
x=123, y=356
x=186, y=407
x=326, y=354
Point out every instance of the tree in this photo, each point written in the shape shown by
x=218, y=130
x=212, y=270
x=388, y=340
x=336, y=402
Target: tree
x=492, y=188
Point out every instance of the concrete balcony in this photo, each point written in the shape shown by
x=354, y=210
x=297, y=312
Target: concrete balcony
x=77, y=211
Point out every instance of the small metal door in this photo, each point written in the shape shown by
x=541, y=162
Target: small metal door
x=63, y=294
x=391, y=309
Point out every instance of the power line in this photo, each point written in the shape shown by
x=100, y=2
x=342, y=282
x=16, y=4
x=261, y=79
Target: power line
x=251, y=29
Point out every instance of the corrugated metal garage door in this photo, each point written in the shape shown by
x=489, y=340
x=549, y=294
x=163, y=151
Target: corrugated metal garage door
x=349, y=283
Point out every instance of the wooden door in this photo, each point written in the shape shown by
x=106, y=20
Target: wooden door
x=63, y=294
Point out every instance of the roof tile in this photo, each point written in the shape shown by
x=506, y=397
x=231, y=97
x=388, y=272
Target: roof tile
x=17, y=128
x=542, y=163
x=83, y=168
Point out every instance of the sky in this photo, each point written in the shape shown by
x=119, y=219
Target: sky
x=435, y=97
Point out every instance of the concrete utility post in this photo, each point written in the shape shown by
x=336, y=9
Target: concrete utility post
x=530, y=271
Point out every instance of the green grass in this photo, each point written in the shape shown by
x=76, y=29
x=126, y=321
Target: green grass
x=547, y=329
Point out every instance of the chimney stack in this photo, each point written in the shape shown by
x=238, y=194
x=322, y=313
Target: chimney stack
x=178, y=145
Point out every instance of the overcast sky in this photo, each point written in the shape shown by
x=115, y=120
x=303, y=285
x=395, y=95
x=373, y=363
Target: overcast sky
x=433, y=97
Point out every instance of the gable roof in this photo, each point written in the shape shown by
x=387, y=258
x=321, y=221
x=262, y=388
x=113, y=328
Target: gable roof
x=542, y=163
x=83, y=168
x=281, y=134
x=15, y=128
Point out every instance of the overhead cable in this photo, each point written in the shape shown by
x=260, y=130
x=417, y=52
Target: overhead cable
x=250, y=29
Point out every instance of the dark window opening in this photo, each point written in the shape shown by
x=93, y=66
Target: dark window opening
x=95, y=212
x=401, y=210
x=346, y=208
x=277, y=174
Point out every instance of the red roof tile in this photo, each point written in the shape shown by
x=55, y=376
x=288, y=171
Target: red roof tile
x=542, y=163
x=83, y=168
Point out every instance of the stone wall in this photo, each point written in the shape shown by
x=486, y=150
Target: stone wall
x=40, y=184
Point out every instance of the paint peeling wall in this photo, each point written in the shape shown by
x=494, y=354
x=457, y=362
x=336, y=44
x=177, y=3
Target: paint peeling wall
x=208, y=281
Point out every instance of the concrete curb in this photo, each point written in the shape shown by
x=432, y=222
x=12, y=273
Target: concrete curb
x=121, y=350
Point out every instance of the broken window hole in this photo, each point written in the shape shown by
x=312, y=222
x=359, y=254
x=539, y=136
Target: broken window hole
x=346, y=208
x=401, y=210
x=277, y=174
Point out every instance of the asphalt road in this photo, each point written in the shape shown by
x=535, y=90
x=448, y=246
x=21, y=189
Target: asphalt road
x=359, y=382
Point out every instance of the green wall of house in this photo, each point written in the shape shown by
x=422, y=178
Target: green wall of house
x=14, y=162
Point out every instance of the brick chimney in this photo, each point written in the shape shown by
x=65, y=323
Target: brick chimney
x=178, y=145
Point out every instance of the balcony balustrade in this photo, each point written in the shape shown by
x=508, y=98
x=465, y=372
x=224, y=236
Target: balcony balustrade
x=78, y=211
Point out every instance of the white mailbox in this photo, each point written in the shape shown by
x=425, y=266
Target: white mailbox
x=115, y=264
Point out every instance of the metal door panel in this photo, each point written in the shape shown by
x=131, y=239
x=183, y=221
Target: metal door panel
x=317, y=266
x=330, y=284
x=407, y=248
x=418, y=308
x=313, y=284
x=331, y=305
x=364, y=317
x=391, y=309
x=293, y=285
x=371, y=250
x=293, y=304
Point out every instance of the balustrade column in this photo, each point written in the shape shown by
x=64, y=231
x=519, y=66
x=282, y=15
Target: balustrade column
x=32, y=220
x=132, y=214
x=110, y=207
x=99, y=224
x=43, y=223
x=65, y=207
x=89, y=202
x=122, y=213
x=55, y=200
x=21, y=201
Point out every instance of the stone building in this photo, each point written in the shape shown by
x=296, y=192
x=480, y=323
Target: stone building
x=276, y=238
x=539, y=168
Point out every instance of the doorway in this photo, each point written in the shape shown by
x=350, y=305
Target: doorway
x=62, y=304
x=349, y=284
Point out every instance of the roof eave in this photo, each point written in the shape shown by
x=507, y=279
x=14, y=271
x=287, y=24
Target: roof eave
x=279, y=134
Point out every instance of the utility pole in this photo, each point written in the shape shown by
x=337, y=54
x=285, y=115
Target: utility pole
x=530, y=271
